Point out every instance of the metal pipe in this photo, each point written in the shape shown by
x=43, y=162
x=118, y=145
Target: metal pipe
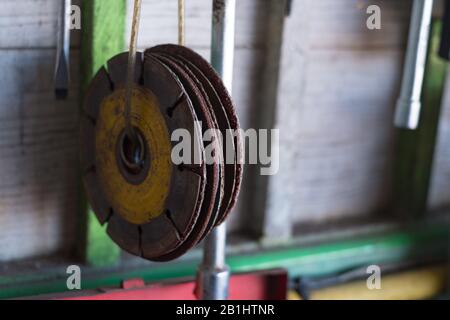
x=62, y=75
x=222, y=41
x=214, y=254
x=408, y=105
x=213, y=276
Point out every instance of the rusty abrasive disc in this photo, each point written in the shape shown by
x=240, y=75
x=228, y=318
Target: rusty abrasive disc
x=152, y=208
x=155, y=206
x=209, y=77
x=227, y=140
x=220, y=122
x=214, y=191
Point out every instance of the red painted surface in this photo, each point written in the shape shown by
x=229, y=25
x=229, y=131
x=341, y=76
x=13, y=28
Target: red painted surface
x=133, y=283
x=270, y=285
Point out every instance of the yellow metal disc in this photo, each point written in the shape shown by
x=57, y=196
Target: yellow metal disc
x=138, y=200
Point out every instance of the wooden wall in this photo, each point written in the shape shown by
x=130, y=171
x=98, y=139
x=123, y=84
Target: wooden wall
x=38, y=135
x=439, y=197
x=337, y=87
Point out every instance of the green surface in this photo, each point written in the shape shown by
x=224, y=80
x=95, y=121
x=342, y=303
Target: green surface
x=103, y=36
x=415, y=148
x=321, y=260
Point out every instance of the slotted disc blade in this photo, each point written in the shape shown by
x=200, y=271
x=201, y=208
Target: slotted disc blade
x=225, y=113
x=150, y=211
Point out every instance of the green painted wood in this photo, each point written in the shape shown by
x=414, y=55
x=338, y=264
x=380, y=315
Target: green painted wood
x=103, y=36
x=415, y=148
x=414, y=244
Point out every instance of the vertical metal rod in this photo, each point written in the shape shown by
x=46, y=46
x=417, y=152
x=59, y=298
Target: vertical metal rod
x=214, y=274
x=408, y=105
x=222, y=40
x=62, y=75
x=214, y=254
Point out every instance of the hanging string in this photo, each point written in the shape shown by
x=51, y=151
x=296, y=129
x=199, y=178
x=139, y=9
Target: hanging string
x=131, y=68
x=132, y=55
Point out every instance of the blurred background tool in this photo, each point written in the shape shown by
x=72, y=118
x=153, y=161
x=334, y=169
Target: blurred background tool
x=62, y=69
x=407, y=113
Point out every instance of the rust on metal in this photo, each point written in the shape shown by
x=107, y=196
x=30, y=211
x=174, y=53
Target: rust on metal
x=152, y=207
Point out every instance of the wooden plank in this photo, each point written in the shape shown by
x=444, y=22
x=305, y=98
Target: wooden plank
x=103, y=36
x=439, y=196
x=38, y=157
x=337, y=92
x=342, y=24
x=415, y=149
x=268, y=225
x=29, y=24
x=38, y=136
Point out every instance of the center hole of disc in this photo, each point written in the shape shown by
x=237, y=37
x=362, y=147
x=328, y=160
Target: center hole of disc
x=133, y=152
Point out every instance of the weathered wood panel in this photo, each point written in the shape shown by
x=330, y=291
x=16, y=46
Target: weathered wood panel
x=339, y=82
x=31, y=24
x=337, y=91
x=38, y=157
x=38, y=135
x=439, y=196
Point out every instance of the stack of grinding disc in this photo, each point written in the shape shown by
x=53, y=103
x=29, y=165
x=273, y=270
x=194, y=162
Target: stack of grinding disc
x=155, y=207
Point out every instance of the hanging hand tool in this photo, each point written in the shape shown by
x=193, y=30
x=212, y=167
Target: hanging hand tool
x=153, y=207
x=408, y=108
x=444, y=49
x=62, y=73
